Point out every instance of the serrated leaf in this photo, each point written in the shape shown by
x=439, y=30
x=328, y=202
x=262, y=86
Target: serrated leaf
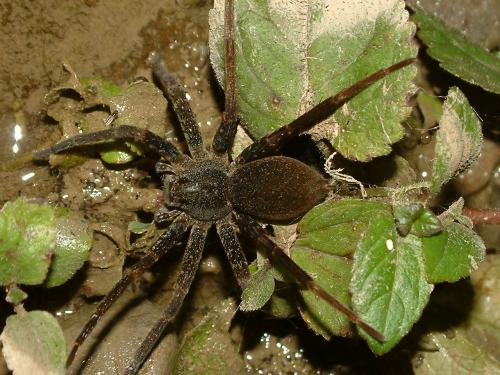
x=333, y=273
x=458, y=141
x=454, y=213
x=291, y=56
x=388, y=285
x=335, y=227
x=71, y=251
x=456, y=54
x=27, y=239
x=33, y=343
x=208, y=348
x=452, y=254
x=258, y=291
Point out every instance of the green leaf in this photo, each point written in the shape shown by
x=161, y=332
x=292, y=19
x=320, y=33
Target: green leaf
x=388, y=285
x=431, y=108
x=458, y=141
x=15, y=295
x=414, y=218
x=99, y=87
x=455, y=213
x=426, y=224
x=456, y=54
x=405, y=215
x=326, y=234
x=452, y=254
x=290, y=57
x=137, y=227
x=27, y=239
x=119, y=153
x=333, y=273
x=258, y=291
x=73, y=243
x=33, y=343
x=336, y=227
x=208, y=348
x=282, y=304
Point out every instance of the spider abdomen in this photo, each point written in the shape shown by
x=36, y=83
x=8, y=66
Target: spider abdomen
x=276, y=189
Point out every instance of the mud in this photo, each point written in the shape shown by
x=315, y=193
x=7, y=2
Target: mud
x=113, y=39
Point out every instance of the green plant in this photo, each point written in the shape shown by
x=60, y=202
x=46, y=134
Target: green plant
x=384, y=252
x=39, y=245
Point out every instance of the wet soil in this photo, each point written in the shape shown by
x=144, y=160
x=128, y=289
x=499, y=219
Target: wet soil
x=113, y=39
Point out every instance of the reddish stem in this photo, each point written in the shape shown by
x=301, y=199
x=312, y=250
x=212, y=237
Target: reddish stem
x=483, y=215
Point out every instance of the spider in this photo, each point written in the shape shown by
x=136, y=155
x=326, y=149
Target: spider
x=207, y=188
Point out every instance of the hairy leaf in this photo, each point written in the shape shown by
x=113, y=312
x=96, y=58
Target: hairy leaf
x=33, y=343
x=336, y=227
x=291, y=56
x=333, y=273
x=389, y=287
x=452, y=254
x=258, y=291
x=458, y=141
x=73, y=243
x=27, y=239
x=456, y=54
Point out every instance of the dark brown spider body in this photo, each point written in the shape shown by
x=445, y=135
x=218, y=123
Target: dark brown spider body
x=276, y=189
x=206, y=188
x=200, y=190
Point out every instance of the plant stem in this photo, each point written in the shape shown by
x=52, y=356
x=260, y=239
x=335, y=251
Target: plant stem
x=483, y=215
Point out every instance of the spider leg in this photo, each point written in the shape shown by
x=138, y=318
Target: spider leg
x=277, y=255
x=234, y=253
x=178, y=98
x=224, y=136
x=189, y=267
x=273, y=142
x=164, y=243
x=151, y=143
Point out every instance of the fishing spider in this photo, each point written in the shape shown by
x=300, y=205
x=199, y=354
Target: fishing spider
x=207, y=188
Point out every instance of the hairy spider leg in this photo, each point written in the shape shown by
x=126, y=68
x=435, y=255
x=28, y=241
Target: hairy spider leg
x=277, y=255
x=189, y=267
x=272, y=143
x=223, y=139
x=234, y=252
x=166, y=241
x=179, y=100
x=151, y=144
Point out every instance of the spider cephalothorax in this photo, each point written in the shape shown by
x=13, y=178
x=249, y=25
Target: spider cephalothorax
x=199, y=189
x=206, y=188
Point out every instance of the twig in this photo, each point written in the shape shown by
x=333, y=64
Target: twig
x=483, y=215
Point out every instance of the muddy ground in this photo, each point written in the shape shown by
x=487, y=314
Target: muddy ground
x=113, y=39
